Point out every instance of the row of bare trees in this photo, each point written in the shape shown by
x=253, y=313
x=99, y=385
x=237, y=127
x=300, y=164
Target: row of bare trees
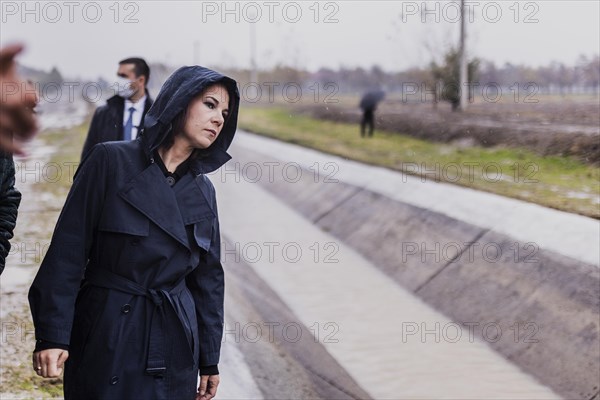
x=582, y=77
x=555, y=78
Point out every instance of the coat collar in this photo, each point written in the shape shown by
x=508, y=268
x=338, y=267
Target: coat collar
x=193, y=203
x=118, y=103
x=206, y=166
x=169, y=208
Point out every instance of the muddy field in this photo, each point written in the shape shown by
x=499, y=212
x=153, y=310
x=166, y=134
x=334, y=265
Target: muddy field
x=568, y=126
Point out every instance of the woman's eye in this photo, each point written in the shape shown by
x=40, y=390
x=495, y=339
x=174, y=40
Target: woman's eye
x=210, y=105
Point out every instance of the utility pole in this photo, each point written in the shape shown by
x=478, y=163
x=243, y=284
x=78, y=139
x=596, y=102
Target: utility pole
x=463, y=80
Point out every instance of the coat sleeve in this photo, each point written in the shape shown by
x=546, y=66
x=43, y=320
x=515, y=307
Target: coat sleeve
x=9, y=203
x=207, y=285
x=54, y=290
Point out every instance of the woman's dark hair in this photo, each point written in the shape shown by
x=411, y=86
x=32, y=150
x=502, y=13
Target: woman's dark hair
x=178, y=124
x=176, y=127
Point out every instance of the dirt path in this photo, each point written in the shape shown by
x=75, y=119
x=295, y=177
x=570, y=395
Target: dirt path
x=37, y=215
x=40, y=179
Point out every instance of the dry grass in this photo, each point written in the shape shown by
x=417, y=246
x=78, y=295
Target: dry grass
x=563, y=183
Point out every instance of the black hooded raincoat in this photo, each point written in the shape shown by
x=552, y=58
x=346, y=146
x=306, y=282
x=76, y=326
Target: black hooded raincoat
x=132, y=280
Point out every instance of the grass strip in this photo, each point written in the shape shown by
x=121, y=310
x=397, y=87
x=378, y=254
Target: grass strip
x=562, y=183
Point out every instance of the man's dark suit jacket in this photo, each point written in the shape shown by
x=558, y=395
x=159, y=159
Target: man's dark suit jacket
x=107, y=123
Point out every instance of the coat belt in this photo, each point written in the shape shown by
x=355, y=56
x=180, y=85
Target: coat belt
x=100, y=277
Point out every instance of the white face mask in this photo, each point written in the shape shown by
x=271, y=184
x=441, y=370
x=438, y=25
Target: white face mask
x=123, y=87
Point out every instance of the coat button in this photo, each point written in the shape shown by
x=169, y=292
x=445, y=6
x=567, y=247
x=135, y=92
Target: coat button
x=126, y=308
x=135, y=242
x=114, y=380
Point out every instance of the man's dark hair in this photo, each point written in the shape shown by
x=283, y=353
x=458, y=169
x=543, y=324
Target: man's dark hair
x=140, y=67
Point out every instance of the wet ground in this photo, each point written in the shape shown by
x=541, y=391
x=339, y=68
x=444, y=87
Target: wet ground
x=37, y=215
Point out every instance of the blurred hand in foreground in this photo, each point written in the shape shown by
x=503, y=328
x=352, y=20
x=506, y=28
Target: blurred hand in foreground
x=17, y=101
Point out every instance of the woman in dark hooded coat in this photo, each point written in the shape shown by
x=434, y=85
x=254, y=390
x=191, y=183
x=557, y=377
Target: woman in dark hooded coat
x=130, y=293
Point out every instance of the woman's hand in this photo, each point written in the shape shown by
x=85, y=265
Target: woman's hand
x=208, y=387
x=49, y=363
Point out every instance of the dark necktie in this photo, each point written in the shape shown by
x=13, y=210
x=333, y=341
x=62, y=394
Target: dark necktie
x=128, y=125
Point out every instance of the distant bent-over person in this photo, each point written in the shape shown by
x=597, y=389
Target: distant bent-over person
x=368, y=103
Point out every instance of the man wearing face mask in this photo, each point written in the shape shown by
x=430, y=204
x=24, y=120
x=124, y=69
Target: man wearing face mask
x=123, y=114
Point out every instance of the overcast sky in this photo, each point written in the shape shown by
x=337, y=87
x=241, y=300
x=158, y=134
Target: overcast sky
x=86, y=39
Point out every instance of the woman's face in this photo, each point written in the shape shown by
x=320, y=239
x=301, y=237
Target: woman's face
x=206, y=115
